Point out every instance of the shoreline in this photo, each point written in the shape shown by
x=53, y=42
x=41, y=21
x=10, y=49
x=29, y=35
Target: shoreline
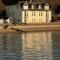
x=55, y=26
x=39, y=27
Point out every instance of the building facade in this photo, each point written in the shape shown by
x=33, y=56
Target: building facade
x=14, y=11
x=37, y=45
x=29, y=12
x=36, y=15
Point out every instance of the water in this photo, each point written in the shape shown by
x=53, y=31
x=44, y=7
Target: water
x=30, y=46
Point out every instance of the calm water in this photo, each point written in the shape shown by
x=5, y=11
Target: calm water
x=30, y=46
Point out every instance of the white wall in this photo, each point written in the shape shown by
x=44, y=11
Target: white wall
x=23, y=20
x=48, y=16
x=34, y=17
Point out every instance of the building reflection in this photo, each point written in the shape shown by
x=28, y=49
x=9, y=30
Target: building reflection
x=27, y=46
x=56, y=45
x=37, y=45
x=10, y=47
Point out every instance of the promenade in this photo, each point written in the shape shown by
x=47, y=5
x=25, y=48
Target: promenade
x=54, y=26
x=39, y=27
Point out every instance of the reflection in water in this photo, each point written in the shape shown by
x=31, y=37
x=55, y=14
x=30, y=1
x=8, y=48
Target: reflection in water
x=56, y=45
x=37, y=45
x=10, y=47
x=30, y=46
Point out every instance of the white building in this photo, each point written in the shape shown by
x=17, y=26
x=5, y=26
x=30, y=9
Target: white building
x=36, y=15
x=28, y=14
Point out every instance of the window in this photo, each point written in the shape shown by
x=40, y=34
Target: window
x=26, y=13
x=13, y=13
x=17, y=6
x=18, y=20
x=33, y=13
x=40, y=13
x=25, y=20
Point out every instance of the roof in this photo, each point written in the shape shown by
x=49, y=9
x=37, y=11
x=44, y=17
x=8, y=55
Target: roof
x=42, y=4
x=10, y=2
x=35, y=10
x=22, y=2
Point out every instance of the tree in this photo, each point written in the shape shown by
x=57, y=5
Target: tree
x=2, y=6
x=57, y=10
